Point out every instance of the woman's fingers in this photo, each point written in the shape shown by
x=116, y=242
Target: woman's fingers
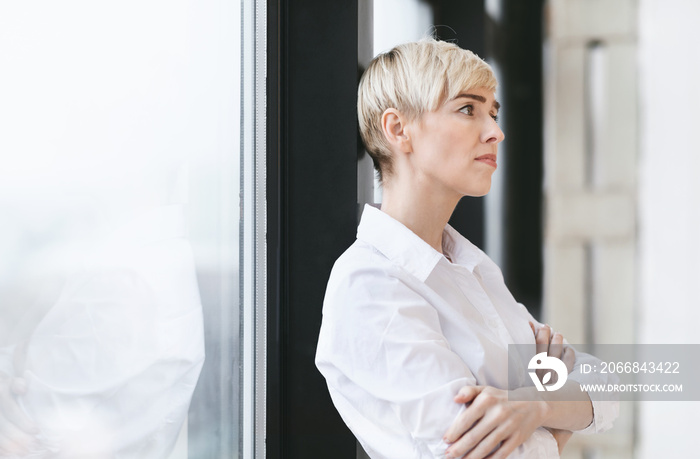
x=569, y=357
x=556, y=346
x=542, y=338
x=468, y=393
x=481, y=439
x=507, y=447
x=469, y=416
x=548, y=341
x=489, y=444
x=497, y=434
x=493, y=425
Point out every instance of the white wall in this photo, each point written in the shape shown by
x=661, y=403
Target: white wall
x=591, y=150
x=669, y=206
x=400, y=21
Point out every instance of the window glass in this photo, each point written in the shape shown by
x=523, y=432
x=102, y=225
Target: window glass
x=123, y=179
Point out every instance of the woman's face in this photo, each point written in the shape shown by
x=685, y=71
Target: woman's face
x=455, y=148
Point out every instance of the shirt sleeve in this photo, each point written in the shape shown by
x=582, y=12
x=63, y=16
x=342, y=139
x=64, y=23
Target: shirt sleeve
x=605, y=411
x=381, y=337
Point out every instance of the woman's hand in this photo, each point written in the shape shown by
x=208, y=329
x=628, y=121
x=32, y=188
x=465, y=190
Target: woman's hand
x=492, y=423
x=547, y=340
x=553, y=344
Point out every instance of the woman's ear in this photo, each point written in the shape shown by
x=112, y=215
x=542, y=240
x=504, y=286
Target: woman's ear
x=394, y=128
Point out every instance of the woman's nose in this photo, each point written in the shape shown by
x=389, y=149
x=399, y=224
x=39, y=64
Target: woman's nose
x=492, y=132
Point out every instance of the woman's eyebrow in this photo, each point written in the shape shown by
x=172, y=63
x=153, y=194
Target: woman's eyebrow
x=479, y=98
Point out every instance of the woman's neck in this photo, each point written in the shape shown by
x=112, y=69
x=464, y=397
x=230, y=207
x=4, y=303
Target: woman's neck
x=424, y=212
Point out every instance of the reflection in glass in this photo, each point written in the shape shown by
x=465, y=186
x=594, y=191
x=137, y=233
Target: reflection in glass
x=111, y=344
x=119, y=198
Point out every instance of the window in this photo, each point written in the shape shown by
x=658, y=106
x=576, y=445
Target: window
x=132, y=194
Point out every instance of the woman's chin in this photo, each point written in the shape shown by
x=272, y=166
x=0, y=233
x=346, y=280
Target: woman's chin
x=479, y=191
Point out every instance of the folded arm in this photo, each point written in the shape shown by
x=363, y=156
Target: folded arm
x=383, y=346
x=497, y=421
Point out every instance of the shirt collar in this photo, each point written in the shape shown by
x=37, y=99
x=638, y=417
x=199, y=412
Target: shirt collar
x=460, y=249
x=398, y=243
x=405, y=248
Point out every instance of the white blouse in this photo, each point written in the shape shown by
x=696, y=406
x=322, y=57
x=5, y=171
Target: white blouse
x=404, y=329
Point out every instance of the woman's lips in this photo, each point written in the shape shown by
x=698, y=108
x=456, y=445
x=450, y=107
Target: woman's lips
x=488, y=159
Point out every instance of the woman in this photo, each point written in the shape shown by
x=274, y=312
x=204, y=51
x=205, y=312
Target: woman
x=417, y=320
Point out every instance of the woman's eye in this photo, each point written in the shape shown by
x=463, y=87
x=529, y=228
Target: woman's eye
x=467, y=109
x=495, y=118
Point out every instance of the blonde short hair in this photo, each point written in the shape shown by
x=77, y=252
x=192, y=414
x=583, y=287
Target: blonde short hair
x=414, y=78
